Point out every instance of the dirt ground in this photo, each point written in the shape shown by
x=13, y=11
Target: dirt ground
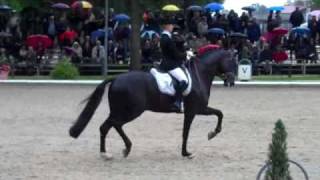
x=34, y=141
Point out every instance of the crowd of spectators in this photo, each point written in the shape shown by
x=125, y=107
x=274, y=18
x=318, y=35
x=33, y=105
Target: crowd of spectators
x=79, y=38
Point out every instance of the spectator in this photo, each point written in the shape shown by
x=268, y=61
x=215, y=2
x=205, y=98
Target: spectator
x=202, y=28
x=51, y=27
x=296, y=18
x=3, y=56
x=194, y=23
x=278, y=19
x=312, y=25
x=233, y=21
x=98, y=52
x=146, y=51
x=119, y=52
x=254, y=31
x=86, y=47
x=77, y=55
x=244, y=18
x=40, y=52
x=68, y=37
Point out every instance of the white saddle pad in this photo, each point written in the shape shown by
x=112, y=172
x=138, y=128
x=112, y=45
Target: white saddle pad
x=165, y=82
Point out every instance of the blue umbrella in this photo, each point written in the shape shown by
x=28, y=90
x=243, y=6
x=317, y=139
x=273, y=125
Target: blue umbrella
x=149, y=34
x=121, y=17
x=195, y=8
x=276, y=8
x=100, y=33
x=238, y=35
x=60, y=6
x=301, y=31
x=218, y=31
x=214, y=7
x=249, y=8
x=4, y=7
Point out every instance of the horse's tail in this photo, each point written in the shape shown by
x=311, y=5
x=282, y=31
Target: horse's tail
x=93, y=102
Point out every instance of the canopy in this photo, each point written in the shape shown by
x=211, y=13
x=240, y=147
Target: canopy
x=276, y=8
x=195, y=8
x=216, y=31
x=34, y=41
x=121, y=17
x=81, y=4
x=61, y=6
x=171, y=7
x=214, y=7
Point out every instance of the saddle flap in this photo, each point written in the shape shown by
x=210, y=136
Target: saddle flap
x=165, y=82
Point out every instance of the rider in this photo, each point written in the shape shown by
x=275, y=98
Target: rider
x=173, y=59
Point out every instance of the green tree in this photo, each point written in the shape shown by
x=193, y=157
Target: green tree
x=278, y=157
x=316, y=3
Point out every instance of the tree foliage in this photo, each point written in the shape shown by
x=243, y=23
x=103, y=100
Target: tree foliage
x=316, y=3
x=278, y=157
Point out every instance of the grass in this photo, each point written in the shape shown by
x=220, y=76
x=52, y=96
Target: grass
x=286, y=78
x=255, y=78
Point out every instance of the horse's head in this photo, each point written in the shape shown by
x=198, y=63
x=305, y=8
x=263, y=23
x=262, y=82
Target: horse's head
x=220, y=63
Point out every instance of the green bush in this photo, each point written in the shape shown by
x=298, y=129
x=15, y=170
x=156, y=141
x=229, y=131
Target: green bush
x=64, y=70
x=278, y=157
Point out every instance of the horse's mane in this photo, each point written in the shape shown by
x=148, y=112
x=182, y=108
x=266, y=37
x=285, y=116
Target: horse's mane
x=214, y=54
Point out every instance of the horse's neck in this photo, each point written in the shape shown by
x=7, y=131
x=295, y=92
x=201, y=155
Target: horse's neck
x=204, y=80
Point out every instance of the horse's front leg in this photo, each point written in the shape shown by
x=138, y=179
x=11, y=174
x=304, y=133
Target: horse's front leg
x=219, y=114
x=188, y=118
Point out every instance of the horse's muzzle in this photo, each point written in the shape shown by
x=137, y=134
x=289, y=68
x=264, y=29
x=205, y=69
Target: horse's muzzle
x=229, y=79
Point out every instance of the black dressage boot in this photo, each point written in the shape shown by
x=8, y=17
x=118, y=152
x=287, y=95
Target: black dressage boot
x=181, y=86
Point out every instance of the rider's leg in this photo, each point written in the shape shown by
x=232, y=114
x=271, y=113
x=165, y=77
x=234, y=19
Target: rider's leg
x=181, y=86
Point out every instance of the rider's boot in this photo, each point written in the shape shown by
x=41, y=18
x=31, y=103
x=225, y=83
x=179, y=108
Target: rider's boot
x=181, y=86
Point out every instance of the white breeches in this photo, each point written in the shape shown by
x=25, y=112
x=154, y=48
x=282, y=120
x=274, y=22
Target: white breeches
x=179, y=74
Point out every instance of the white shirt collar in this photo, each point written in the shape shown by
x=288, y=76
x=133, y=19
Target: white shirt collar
x=167, y=33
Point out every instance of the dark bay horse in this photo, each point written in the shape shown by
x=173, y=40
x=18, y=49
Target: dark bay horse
x=132, y=93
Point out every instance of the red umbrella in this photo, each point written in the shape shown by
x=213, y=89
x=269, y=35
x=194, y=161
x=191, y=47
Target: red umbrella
x=279, y=31
x=279, y=56
x=70, y=36
x=34, y=41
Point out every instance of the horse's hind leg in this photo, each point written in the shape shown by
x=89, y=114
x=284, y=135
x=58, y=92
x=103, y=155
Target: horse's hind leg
x=219, y=114
x=126, y=140
x=104, y=129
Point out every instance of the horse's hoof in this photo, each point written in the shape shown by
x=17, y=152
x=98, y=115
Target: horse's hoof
x=126, y=152
x=212, y=135
x=106, y=156
x=190, y=156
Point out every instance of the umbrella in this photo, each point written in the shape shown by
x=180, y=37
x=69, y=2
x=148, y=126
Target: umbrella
x=248, y=8
x=121, y=17
x=214, y=7
x=216, y=31
x=68, y=35
x=4, y=7
x=149, y=34
x=34, y=41
x=268, y=36
x=5, y=34
x=194, y=8
x=315, y=13
x=301, y=31
x=170, y=7
x=81, y=4
x=238, y=35
x=276, y=8
x=100, y=34
x=70, y=50
x=61, y=6
x=280, y=56
x=279, y=31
